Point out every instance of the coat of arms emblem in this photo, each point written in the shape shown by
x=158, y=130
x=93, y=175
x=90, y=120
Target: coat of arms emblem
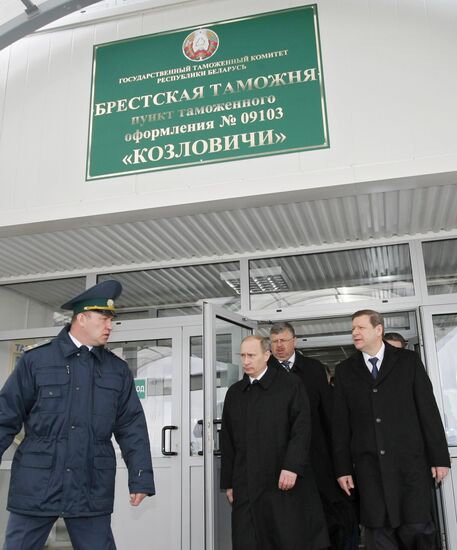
x=200, y=44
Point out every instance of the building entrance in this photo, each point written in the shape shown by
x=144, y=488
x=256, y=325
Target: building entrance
x=183, y=367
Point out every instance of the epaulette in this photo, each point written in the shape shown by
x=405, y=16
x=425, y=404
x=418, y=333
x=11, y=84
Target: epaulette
x=38, y=345
x=115, y=354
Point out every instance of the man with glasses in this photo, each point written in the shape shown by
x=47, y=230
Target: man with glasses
x=72, y=394
x=339, y=510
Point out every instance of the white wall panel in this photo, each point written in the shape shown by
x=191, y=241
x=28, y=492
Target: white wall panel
x=390, y=89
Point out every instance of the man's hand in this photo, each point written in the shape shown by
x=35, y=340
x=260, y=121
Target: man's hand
x=229, y=493
x=439, y=473
x=287, y=480
x=346, y=483
x=136, y=498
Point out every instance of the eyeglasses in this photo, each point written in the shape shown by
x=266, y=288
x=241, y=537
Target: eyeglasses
x=281, y=340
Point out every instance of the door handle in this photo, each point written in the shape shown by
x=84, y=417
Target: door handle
x=217, y=422
x=200, y=423
x=164, y=430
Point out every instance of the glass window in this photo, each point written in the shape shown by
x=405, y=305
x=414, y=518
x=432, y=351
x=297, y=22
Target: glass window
x=381, y=273
x=440, y=259
x=177, y=291
x=404, y=322
x=445, y=331
x=151, y=364
x=331, y=329
x=37, y=304
x=227, y=373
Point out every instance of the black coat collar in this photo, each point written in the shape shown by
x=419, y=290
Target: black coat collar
x=265, y=382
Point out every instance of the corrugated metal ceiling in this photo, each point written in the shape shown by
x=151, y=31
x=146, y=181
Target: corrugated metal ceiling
x=228, y=234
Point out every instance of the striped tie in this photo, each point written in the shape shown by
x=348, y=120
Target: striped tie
x=286, y=365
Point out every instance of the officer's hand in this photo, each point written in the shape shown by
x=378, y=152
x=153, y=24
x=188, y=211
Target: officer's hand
x=136, y=498
x=287, y=480
x=346, y=483
x=229, y=493
x=439, y=473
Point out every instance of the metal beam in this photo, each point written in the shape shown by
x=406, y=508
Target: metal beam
x=35, y=17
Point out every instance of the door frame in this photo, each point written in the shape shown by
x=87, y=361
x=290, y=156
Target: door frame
x=447, y=489
x=211, y=313
x=146, y=330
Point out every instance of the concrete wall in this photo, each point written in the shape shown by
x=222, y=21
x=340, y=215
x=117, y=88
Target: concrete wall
x=390, y=80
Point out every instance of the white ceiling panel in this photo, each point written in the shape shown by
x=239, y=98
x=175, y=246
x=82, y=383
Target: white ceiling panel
x=229, y=234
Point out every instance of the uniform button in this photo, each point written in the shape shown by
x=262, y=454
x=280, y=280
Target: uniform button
x=78, y=354
x=51, y=393
x=378, y=420
x=382, y=452
x=68, y=470
x=375, y=390
x=77, y=388
x=73, y=427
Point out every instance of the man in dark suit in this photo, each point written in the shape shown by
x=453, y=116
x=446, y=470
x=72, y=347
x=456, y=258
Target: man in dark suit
x=388, y=438
x=264, y=468
x=339, y=510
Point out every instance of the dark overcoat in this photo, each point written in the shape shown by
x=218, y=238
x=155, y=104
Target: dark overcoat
x=388, y=432
x=339, y=510
x=70, y=404
x=266, y=429
x=312, y=374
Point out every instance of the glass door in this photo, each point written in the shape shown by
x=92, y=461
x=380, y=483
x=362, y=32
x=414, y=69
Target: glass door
x=440, y=339
x=154, y=357
x=222, y=335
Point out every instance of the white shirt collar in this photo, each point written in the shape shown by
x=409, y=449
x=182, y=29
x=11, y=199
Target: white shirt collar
x=258, y=377
x=291, y=360
x=76, y=342
x=379, y=355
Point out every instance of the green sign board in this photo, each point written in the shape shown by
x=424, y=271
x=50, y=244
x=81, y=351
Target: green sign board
x=224, y=91
x=140, y=386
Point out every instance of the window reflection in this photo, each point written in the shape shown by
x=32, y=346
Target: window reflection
x=151, y=364
x=177, y=291
x=445, y=331
x=37, y=304
x=440, y=260
x=227, y=372
x=379, y=273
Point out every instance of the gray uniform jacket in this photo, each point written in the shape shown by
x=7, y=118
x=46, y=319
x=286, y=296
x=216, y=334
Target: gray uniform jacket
x=70, y=403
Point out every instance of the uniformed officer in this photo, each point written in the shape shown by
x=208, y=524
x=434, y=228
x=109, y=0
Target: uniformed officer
x=71, y=394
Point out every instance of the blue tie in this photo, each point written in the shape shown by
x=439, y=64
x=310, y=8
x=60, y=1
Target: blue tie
x=375, y=371
x=286, y=365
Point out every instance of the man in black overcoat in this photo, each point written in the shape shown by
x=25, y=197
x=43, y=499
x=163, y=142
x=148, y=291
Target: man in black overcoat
x=265, y=471
x=339, y=510
x=388, y=438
